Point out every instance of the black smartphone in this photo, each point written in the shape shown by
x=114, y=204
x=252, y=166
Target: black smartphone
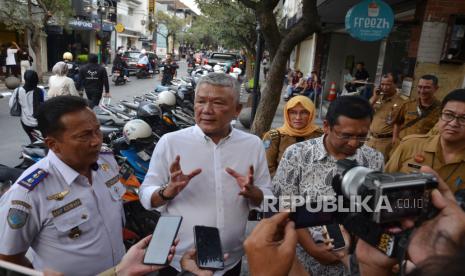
x=208, y=245
x=304, y=218
x=162, y=239
x=334, y=232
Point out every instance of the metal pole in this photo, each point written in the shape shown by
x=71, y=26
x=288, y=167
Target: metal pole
x=101, y=36
x=256, y=78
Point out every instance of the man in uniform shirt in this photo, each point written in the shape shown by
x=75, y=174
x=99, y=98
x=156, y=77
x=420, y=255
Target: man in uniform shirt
x=444, y=152
x=211, y=174
x=67, y=207
x=418, y=116
x=386, y=103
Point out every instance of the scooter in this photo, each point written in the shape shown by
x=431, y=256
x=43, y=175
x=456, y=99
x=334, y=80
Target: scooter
x=118, y=77
x=143, y=71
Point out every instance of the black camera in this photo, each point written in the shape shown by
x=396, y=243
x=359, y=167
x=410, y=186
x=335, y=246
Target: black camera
x=387, y=197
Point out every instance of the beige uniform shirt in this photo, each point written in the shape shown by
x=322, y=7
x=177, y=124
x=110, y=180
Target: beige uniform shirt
x=381, y=127
x=426, y=150
x=275, y=146
x=410, y=111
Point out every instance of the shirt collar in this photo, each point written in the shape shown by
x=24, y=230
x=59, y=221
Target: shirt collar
x=66, y=171
x=321, y=152
x=199, y=133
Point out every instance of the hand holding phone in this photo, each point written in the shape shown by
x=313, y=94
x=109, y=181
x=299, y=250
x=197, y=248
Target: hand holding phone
x=162, y=239
x=208, y=246
x=334, y=233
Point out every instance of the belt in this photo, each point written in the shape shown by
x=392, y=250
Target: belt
x=380, y=136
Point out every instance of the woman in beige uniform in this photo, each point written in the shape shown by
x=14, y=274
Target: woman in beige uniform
x=299, y=125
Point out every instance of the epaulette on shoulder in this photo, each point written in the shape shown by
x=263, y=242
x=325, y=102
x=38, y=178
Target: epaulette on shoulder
x=33, y=179
x=415, y=136
x=106, y=150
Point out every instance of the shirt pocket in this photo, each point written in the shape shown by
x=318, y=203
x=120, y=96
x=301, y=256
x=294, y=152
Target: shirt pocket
x=73, y=225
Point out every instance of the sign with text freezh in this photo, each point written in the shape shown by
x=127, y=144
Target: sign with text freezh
x=370, y=20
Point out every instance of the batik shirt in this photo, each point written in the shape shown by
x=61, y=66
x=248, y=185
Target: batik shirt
x=307, y=169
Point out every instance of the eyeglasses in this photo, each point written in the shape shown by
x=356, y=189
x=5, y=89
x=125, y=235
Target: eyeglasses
x=347, y=137
x=449, y=117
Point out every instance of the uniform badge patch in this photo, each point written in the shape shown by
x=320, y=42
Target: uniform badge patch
x=105, y=167
x=17, y=218
x=34, y=178
x=267, y=144
x=112, y=181
x=21, y=203
x=68, y=207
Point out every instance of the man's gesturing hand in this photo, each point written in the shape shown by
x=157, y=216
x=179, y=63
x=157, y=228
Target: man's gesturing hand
x=247, y=188
x=178, y=180
x=270, y=248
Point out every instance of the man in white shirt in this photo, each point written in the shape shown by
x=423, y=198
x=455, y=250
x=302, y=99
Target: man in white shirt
x=211, y=174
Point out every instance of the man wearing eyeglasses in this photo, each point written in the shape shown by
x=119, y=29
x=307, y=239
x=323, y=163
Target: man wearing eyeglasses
x=418, y=116
x=307, y=169
x=444, y=152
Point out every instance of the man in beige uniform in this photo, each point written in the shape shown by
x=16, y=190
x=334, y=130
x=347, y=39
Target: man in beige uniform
x=444, y=151
x=418, y=116
x=386, y=102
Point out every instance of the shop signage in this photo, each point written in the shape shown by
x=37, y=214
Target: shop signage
x=80, y=24
x=370, y=20
x=119, y=28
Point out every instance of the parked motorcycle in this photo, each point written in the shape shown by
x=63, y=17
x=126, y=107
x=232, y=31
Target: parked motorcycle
x=143, y=71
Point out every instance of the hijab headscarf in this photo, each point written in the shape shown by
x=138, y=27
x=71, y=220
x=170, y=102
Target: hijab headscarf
x=31, y=79
x=311, y=126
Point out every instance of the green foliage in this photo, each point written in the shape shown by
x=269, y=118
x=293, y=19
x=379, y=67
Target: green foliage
x=229, y=23
x=20, y=14
x=173, y=24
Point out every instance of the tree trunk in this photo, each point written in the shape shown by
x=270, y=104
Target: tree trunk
x=248, y=66
x=280, y=48
x=37, y=49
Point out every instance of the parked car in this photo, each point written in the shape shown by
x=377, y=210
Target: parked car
x=132, y=57
x=224, y=59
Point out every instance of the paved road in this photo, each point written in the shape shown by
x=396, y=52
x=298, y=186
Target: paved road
x=12, y=136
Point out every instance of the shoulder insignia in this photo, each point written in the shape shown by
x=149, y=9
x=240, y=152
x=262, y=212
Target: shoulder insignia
x=17, y=218
x=33, y=179
x=106, y=150
x=267, y=143
x=274, y=134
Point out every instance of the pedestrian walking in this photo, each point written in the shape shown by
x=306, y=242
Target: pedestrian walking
x=94, y=78
x=60, y=84
x=11, y=69
x=25, y=61
x=30, y=97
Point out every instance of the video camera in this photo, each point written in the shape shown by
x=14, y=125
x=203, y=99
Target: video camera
x=372, y=202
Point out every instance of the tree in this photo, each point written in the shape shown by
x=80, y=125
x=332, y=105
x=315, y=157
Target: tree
x=173, y=26
x=33, y=15
x=233, y=24
x=280, y=45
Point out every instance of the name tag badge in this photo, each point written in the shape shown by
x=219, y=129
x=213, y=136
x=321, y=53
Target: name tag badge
x=66, y=208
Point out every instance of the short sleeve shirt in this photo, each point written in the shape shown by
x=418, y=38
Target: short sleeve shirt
x=385, y=111
x=72, y=226
x=425, y=150
x=410, y=111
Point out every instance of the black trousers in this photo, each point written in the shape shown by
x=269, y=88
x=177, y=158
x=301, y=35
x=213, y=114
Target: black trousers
x=94, y=97
x=169, y=271
x=29, y=131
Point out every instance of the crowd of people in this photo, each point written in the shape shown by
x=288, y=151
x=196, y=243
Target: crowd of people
x=66, y=210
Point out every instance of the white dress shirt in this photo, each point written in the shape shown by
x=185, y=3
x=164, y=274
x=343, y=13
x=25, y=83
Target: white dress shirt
x=212, y=197
x=77, y=233
x=26, y=101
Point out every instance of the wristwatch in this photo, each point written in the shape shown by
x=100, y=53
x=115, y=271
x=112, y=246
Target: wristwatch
x=165, y=198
